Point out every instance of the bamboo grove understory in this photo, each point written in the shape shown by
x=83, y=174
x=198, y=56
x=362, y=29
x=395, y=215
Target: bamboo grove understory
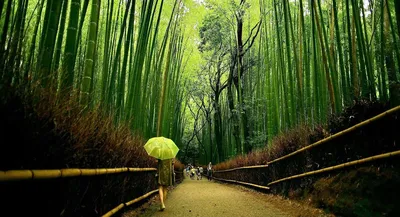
x=112, y=55
x=264, y=66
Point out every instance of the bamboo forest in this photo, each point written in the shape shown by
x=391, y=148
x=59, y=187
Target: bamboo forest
x=237, y=85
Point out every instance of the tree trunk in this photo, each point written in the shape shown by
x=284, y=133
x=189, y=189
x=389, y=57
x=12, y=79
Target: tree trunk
x=353, y=64
x=3, y=38
x=27, y=73
x=210, y=139
x=49, y=38
x=67, y=72
x=20, y=57
x=60, y=35
x=218, y=124
x=397, y=9
x=121, y=83
x=246, y=128
x=235, y=119
x=106, y=54
x=1, y=6
x=325, y=61
x=90, y=53
x=238, y=83
x=340, y=52
x=12, y=65
x=394, y=86
x=217, y=111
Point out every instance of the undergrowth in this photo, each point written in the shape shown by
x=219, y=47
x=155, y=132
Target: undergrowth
x=379, y=137
x=40, y=131
x=365, y=192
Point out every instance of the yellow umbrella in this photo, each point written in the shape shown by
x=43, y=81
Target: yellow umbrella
x=161, y=148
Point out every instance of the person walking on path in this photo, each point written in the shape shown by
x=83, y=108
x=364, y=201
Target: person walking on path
x=165, y=171
x=164, y=150
x=209, y=171
x=201, y=172
x=188, y=170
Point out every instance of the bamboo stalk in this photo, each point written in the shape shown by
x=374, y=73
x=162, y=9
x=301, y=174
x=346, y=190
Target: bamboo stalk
x=141, y=198
x=122, y=205
x=238, y=168
x=115, y=210
x=341, y=133
x=340, y=166
x=243, y=183
x=17, y=175
x=141, y=169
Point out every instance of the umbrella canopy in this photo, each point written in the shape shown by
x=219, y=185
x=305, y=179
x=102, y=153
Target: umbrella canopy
x=161, y=148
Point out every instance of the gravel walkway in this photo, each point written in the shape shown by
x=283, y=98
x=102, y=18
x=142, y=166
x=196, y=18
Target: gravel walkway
x=203, y=198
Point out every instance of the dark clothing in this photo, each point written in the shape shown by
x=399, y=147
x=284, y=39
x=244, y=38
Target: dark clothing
x=209, y=174
x=165, y=172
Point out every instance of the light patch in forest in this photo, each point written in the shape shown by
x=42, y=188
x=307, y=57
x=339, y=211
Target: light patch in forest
x=200, y=2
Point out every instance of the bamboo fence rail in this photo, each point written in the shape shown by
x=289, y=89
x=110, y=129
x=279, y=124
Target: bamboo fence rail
x=243, y=183
x=340, y=166
x=17, y=175
x=122, y=205
x=341, y=133
x=240, y=168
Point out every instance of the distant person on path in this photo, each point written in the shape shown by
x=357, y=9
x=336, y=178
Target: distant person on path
x=198, y=173
x=188, y=170
x=165, y=171
x=209, y=171
x=192, y=172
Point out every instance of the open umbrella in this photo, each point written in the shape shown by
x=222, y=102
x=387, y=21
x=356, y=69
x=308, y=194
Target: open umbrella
x=161, y=148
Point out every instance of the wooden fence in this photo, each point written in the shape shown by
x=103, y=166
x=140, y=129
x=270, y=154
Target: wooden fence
x=323, y=141
x=20, y=175
x=122, y=205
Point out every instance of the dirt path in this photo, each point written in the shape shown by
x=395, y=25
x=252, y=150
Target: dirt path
x=208, y=198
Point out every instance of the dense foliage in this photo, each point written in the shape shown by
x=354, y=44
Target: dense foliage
x=221, y=78
x=112, y=55
x=270, y=65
